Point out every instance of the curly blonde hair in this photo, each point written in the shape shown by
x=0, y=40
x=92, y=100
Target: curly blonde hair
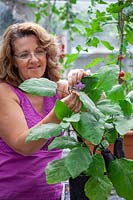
x=8, y=71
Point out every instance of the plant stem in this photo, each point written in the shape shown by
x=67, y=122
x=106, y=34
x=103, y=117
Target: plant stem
x=120, y=31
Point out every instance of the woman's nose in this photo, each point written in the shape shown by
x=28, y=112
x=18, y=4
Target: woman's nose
x=33, y=57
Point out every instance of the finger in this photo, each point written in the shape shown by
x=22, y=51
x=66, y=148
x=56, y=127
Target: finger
x=82, y=73
x=72, y=78
x=77, y=107
x=76, y=75
x=76, y=104
x=70, y=99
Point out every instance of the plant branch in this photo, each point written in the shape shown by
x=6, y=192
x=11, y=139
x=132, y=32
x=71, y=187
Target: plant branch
x=120, y=31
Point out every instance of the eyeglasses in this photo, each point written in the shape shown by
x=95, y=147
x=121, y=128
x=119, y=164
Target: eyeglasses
x=38, y=53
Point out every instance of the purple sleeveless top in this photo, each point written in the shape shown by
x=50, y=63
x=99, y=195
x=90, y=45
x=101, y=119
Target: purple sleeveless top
x=23, y=177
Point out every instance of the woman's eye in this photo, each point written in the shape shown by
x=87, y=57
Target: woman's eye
x=24, y=55
x=40, y=51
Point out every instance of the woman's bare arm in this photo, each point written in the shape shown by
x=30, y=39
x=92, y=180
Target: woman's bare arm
x=13, y=126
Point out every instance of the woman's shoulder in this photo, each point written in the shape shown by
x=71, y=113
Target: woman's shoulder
x=62, y=88
x=6, y=92
x=4, y=87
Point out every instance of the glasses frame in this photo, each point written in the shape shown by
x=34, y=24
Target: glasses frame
x=38, y=53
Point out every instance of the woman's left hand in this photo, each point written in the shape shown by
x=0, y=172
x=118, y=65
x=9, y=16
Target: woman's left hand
x=73, y=102
x=75, y=76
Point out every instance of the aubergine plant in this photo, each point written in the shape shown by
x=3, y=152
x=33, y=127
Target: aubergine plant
x=100, y=122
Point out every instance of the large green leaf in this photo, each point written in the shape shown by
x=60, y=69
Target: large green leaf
x=95, y=94
x=56, y=171
x=123, y=125
x=77, y=161
x=89, y=128
x=98, y=188
x=39, y=87
x=90, y=88
x=116, y=93
x=107, y=107
x=44, y=131
x=96, y=167
x=89, y=105
x=61, y=110
x=90, y=83
x=126, y=107
x=107, y=76
x=121, y=175
x=64, y=142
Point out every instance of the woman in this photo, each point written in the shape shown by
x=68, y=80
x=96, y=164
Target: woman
x=28, y=51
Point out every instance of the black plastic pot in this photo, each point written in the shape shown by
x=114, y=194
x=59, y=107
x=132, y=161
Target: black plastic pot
x=76, y=186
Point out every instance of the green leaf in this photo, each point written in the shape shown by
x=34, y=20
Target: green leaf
x=79, y=48
x=61, y=110
x=71, y=58
x=72, y=118
x=95, y=95
x=107, y=45
x=123, y=125
x=95, y=25
x=33, y=5
x=111, y=135
x=56, y=171
x=130, y=96
x=38, y=16
x=90, y=89
x=98, y=188
x=107, y=76
x=39, y=87
x=44, y=131
x=89, y=105
x=107, y=107
x=129, y=37
x=65, y=125
x=64, y=142
x=96, y=167
x=121, y=175
x=93, y=42
x=89, y=32
x=116, y=93
x=93, y=62
x=126, y=107
x=115, y=7
x=90, y=83
x=89, y=128
x=77, y=156
x=73, y=1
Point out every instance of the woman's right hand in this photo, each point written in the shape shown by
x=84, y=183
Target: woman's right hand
x=73, y=101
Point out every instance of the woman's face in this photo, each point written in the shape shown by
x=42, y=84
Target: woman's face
x=30, y=57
